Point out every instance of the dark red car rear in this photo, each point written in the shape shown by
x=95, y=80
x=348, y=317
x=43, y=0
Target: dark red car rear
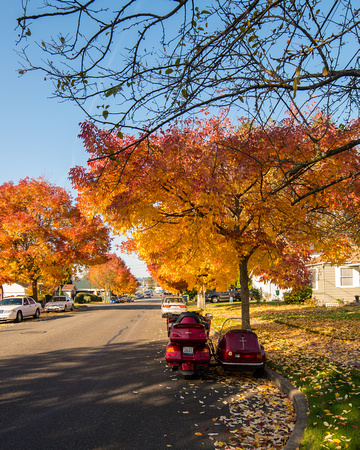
x=240, y=349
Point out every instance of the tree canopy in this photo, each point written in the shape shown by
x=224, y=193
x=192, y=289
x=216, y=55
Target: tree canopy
x=113, y=276
x=220, y=198
x=43, y=236
x=144, y=64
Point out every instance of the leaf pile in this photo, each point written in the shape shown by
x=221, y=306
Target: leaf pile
x=260, y=417
x=308, y=347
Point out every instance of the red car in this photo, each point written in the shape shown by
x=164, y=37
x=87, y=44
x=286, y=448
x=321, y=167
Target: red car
x=240, y=349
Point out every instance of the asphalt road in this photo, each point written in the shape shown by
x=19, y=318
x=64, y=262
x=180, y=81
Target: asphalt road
x=97, y=379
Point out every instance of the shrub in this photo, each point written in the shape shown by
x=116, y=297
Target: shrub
x=84, y=297
x=79, y=298
x=256, y=294
x=299, y=296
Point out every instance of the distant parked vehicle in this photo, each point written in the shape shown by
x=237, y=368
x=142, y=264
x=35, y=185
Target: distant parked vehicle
x=214, y=297
x=114, y=300
x=59, y=303
x=16, y=308
x=173, y=305
x=126, y=299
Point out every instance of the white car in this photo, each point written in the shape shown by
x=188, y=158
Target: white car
x=172, y=305
x=59, y=303
x=16, y=308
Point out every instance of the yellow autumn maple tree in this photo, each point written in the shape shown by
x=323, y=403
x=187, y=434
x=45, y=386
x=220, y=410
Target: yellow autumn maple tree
x=226, y=198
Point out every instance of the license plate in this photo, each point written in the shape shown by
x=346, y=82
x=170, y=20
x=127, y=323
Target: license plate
x=188, y=350
x=237, y=355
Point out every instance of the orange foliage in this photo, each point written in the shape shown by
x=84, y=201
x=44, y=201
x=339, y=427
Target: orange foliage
x=209, y=194
x=43, y=236
x=113, y=276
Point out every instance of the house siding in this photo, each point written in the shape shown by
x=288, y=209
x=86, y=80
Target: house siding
x=326, y=286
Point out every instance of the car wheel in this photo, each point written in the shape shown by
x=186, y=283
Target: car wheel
x=65, y=308
x=72, y=308
x=19, y=317
x=214, y=299
x=37, y=314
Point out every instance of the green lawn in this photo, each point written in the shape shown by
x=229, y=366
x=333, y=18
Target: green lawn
x=313, y=348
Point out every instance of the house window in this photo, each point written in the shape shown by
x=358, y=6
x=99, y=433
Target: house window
x=347, y=277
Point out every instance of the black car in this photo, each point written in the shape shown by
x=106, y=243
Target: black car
x=214, y=296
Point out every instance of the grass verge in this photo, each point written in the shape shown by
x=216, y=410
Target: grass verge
x=311, y=348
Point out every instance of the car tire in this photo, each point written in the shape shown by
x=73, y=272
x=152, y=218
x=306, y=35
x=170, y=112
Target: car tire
x=214, y=299
x=19, y=317
x=37, y=313
x=72, y=308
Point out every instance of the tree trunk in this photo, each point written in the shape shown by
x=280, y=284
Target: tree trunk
x=244, y=292
x=201, y=300
x=1, y=292
x=34, y=290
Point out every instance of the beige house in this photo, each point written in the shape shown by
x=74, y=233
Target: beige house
x=330, y=284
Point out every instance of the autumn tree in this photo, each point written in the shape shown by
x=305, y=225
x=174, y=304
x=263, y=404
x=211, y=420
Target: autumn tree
x=208, y=189
x=148, y=63
x=113, y=276
x=44, y=236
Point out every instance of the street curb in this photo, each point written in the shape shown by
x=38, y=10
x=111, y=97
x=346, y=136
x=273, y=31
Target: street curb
x=298, y=399
x=300, y=405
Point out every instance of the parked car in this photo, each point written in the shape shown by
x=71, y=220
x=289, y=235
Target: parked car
x=59, y=303
x=172, y=305
x=126, y=299
x=16, y=308
x=114, y=300
x=214, y=297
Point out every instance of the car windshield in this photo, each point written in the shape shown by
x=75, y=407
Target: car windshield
x=58, y=299
x=11, y=301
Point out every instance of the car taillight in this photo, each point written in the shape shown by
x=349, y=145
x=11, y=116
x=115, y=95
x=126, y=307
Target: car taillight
x=204, y=354
x=251, y=356
x=171, y=350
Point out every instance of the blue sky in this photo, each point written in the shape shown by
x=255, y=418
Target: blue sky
x=38, y=134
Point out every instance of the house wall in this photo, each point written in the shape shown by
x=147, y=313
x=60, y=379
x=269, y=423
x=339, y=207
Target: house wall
x=14, y=289
x=269, y=290
x=326, y=284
